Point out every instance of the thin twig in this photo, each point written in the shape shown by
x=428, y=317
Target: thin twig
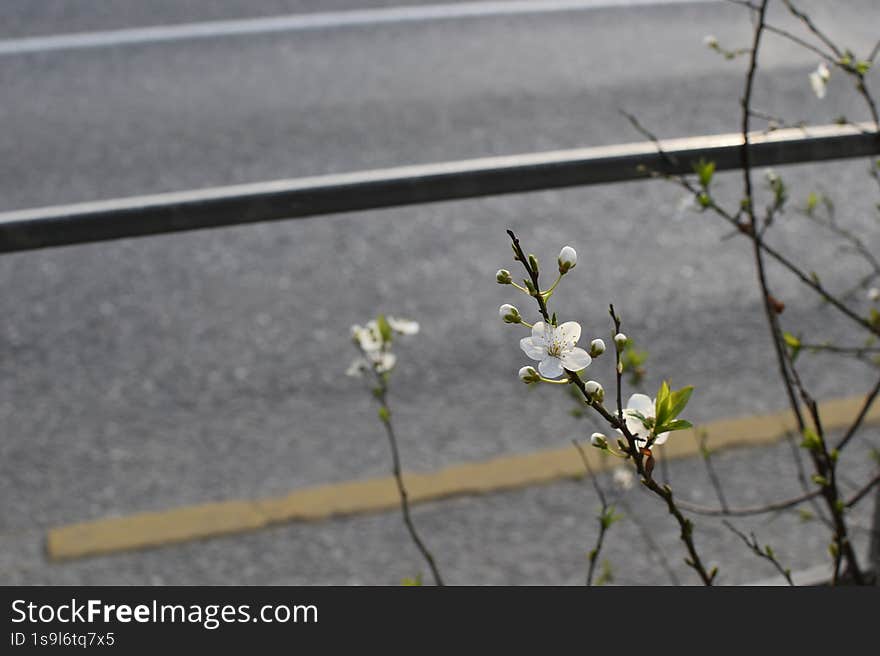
x=385, y=417
x=710, y=469
x=753, y=510
x=766, y=553
x=605, y=515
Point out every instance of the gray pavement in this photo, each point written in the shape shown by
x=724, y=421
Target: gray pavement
x=152, y=373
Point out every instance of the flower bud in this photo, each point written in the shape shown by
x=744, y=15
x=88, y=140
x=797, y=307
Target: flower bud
x=710, y=42
x=595, y=392
x=533, y=263
x=509, y=313
x=597, y=348
x=599, y=441
x=620, y=341
x=529, y=375
x=874, y=294
x=568, y=258
x=502, y=277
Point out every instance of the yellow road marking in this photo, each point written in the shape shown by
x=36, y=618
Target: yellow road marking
x=152, y=529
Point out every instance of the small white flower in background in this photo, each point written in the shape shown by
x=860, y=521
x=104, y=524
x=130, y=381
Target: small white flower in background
x=403, y=326
x=382, y=361
x=509, y=313
x=623, y=478
x=645, y=406
x=529, y=375
x=568, y=259
x=710, y=41
x=357, y=367
x=554, y=348
x=772, y=176
x=874, y=294
x=599, y=441
x=819, y=79
x=367, y=337
x=620, y=340
x=374, y=349
x=597, y=348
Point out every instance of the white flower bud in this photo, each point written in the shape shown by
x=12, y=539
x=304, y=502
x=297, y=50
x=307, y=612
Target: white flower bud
x=597, y=348
x=502, y=277
x=710, y=41
x=529, y=375
x=874, y=294
x=509, y=313
x=568, y=258
x=599, y=441
x=620, y=341
x=595, y=391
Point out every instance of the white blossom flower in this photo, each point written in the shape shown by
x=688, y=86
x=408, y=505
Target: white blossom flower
x=819, y=79
x=623, y=478
x=381, y=361
x=874, y=294
x=403, y=326
x=357, y=367
x=568, y=259
x=367, y=337
x=642, y=404
x=554, y=348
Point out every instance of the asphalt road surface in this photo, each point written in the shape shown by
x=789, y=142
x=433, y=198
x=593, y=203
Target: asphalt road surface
x=152, y=373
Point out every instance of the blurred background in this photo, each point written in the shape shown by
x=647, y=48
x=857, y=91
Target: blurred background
x=154, y=373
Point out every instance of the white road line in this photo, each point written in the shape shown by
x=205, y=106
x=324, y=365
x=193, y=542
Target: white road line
x=302, y=22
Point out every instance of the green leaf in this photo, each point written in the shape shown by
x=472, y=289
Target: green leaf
x=679, y=399
x=384, y=414
x=661, y=405
x=705, y=170
x=793, y=343
x=811, y=440
x=384, y=328
x=674, y=425
x=608, y=517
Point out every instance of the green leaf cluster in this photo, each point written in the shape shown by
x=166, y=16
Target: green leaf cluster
x=704, y=170
x=668, y=406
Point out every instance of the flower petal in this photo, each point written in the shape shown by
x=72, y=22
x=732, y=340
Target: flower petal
x=661, y=438
x=575, y=359
x=403, y=326
x=641, y=403
x=569, y=332
x=550, y=367
x=385, y=362
x=541, y=334
x=530, y=348
x=633, y=424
